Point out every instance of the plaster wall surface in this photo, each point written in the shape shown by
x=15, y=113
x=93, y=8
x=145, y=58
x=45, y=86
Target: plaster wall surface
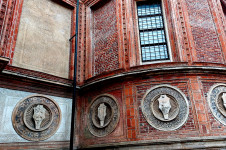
x=43, y=38
x=9, y=99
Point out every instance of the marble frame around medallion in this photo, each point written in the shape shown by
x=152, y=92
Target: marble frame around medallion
x=209, y=101
x=167, y=86
x=89, y=117
x=36, y=95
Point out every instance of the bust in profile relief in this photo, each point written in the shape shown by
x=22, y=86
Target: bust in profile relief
x=164, y=105
x=39, y=115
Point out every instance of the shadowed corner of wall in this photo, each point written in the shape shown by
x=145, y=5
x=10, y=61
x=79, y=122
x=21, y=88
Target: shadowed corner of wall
x=3, y=62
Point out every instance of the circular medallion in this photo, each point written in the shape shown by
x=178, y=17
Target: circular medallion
x=103, y=115
x=165, y=107
x=217, y=102
x=36, y=118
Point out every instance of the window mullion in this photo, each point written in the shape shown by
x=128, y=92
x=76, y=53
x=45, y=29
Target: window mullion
x=152, y=31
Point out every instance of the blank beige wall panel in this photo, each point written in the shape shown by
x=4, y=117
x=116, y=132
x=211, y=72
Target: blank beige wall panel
x=43, y=38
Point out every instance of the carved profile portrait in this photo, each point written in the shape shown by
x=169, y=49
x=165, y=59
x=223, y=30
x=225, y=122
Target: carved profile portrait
x=224, y=99
x=217, y=101
x=39, y=115
x=102, y=113
x=36, y=117
x=164, y=106
x=220, y=102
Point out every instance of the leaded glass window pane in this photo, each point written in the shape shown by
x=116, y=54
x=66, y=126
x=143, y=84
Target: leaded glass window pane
x=152, y=34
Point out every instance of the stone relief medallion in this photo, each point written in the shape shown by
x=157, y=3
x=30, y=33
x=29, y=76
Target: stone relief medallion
x=165, y=107
x=217, y=102
x=221, y=103
x=165, y=110
x=103, y=115
x=36, y=118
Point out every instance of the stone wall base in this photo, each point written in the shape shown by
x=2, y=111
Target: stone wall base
x=64, y=145
x=172, y=144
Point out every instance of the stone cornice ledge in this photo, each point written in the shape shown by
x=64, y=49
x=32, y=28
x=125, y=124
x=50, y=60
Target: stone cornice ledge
x=178, y=69
x=177, y=143
x=36, y=76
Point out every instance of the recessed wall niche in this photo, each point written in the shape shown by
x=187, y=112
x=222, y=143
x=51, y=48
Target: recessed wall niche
x=104, y=37
x=43, y=37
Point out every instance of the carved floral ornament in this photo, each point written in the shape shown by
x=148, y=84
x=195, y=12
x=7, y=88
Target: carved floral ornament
x=36, y=118
x=217, y=102
x=103, y=115
x=165, y=107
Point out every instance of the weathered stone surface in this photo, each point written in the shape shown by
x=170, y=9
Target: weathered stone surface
x=165, y=110
x=157, y=115
x=216, y=102
x=164, y=106
x=103, y=115
x=43, y=38
x=166, y=144
x=8, y=101
x=39, y=115
x=34, y=122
